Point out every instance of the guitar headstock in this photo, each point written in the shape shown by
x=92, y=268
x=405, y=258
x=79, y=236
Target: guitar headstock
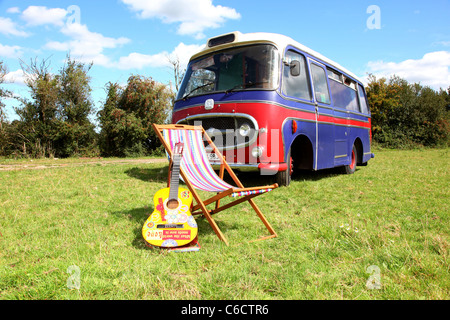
x=178, y=149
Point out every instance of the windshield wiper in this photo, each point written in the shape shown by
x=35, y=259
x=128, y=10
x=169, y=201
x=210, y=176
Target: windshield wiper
x=197, y=88
x=245, y=85
x=234, y=88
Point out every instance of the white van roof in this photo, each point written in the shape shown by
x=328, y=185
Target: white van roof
x=279, y=40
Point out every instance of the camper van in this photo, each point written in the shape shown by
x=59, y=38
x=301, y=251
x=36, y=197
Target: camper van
x=272, y=104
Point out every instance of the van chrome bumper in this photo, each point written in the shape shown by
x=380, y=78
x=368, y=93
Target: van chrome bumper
x=264, y=168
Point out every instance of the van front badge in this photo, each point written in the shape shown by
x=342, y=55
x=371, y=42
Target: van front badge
x=209, y=104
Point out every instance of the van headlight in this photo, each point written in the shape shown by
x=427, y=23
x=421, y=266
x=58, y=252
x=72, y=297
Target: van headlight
x=244, y=130
x=257, y=152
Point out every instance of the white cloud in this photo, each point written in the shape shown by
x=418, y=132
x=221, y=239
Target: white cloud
x=8, y=27
x=138, y=61
x=431, y=70
x=184, y=52
x=442, y=43
x=38, y=15
x=85, y=45
x=194, y=16
x=13, y=10
x=17, y=77
x=10, y=51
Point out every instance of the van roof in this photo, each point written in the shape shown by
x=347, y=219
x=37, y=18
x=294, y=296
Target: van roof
x=279, y=40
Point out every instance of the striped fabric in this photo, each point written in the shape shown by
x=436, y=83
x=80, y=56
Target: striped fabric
x=195, y=163
x=246, y=193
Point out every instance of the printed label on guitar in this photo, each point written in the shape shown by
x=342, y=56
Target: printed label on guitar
x=177, y=234
x=162, y=235
x=154, y=235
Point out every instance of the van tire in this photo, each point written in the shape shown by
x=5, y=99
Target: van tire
x=351, y=168
x=283, y=178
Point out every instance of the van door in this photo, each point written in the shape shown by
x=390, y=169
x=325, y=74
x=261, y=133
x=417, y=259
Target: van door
x=344, y=93
x=324, y=156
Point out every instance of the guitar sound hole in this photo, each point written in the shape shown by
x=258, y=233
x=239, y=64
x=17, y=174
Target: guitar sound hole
x=172, y=204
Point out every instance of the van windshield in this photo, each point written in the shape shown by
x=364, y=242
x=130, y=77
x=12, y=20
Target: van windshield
x=241, y=68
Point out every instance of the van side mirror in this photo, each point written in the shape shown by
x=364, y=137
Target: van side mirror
x=295, y=68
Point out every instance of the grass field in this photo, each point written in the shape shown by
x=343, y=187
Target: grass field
x=72, y=230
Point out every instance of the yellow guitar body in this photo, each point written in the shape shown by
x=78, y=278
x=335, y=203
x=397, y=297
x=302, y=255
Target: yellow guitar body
x=170, y=227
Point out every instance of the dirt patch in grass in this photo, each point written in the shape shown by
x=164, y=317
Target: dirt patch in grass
x=81, y=162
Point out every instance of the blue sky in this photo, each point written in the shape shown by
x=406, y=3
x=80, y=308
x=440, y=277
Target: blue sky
x=124, y=37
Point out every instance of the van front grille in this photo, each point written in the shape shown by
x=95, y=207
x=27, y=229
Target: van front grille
x=224, y=130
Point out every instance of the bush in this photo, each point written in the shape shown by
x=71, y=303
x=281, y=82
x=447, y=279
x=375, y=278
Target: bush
x=408, y=115
x=55, y=121
x=128, y=114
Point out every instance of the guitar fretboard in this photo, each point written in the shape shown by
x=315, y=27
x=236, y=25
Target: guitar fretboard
x=175, y=178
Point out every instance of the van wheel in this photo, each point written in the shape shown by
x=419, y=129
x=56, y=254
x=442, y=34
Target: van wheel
x=283, y=178
x=351, y=168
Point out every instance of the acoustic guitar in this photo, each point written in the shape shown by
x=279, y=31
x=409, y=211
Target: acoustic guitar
x=171, y=223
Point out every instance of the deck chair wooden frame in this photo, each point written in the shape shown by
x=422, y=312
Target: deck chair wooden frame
x=200, y=207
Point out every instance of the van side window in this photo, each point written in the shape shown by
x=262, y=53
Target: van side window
x=296, y=86
x=334, y=75
x=343, y=91
x=320, y=84
x=362, y=100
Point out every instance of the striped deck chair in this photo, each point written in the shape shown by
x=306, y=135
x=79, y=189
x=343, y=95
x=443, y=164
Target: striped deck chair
x=198, y=174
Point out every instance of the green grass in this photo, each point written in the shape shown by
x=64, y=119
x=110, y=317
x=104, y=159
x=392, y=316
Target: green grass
x=333, y=228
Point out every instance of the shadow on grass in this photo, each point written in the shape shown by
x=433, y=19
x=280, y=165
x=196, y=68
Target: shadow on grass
x=309, y=175
x=162, y=175
x=140, y=216
x=253, y=179
x=149, y=174
x=248, y=179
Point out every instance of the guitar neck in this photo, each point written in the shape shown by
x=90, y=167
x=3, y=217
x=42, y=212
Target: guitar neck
x=175, y=178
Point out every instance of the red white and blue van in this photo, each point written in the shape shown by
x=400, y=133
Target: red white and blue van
x=271, y=104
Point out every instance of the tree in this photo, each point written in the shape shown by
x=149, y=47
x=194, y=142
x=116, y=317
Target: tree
x=39, y=121
x=55, y=121
x=77, y=134
x=128, y=113
x=435, y=128
x=178, y=73
x=3, y=123
x=3, y=93
x=405, y=115
x=108, y=138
